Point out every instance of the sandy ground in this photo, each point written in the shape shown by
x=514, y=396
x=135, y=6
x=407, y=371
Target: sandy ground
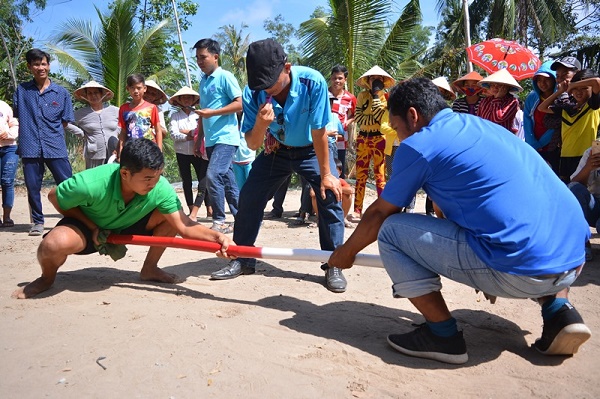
x=278, y=333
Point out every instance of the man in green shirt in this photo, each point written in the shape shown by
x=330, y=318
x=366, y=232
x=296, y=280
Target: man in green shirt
x=130, y=198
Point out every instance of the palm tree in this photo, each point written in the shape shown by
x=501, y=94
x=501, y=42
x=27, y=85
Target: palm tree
x=447, y=56
x=518, y=19
x=352, y=35
x=233, y=50
x=113, y=51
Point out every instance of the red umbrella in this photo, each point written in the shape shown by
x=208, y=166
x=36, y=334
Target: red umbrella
x=495, y=54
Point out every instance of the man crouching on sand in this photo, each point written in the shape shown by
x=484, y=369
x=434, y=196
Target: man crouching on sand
x=129, y=198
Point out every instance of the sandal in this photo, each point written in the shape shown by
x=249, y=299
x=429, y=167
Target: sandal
x=36, y=230
x=300, y=220
x=353, y=218
x=8, y=223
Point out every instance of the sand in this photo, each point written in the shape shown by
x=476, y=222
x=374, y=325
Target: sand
x=275, y=334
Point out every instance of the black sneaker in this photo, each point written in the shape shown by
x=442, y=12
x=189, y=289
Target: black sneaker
x=564, y=333
x=423, y=343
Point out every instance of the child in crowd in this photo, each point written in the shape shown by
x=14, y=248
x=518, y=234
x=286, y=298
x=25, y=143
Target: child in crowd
x=537, y=134
x=335, y=130
x=585, y=185
x=183, y=126
x=565, y=68
x=501, y=106
x=347, y=193
x=242, y=161
x=112, y=146
x=155, y=95
x=445, y=89
x=344, y=106
x=139, y=118
x=469, y=104
x=580, y=119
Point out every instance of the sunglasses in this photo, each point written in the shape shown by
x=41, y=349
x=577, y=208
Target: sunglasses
x=281, y=132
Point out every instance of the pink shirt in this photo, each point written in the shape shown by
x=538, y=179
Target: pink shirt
x=8, y=124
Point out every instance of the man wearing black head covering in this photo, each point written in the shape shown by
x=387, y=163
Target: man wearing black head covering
x=287, y=108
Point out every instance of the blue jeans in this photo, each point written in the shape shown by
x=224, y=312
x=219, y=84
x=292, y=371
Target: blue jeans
x=33, y=172
x=267, y=174
x=591, y=211
x=220, y=180
x=417, y=249
x=8, y=169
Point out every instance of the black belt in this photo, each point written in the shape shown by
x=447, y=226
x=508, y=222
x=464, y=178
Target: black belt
x=288, y=147
x=369, y=134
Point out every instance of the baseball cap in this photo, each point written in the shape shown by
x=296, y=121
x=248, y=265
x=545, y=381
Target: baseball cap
x=264, y=62
x=569, y=62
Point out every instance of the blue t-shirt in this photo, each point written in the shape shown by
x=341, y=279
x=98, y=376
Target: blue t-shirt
x=217, y=90
x=518, y=216
x=306, y=108
x=41, y=132
x=335, y=124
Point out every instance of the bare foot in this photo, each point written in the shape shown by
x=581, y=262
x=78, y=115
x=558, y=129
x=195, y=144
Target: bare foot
x=32, y=289
x=157, y=274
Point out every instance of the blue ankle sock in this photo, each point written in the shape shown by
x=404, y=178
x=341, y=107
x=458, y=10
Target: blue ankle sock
x=550, y=307
x=443, y=328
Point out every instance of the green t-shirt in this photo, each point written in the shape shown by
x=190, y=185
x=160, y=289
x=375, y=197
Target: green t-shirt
x=97, y=192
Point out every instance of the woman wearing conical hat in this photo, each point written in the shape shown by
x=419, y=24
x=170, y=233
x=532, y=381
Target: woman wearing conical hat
x=371, y=104
x=468, y=86
x=183, y=128
x=97, y=122
x=501, y=106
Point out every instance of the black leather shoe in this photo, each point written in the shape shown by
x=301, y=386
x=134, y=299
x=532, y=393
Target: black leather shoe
x=232, y=270
x=272, y=215
x=335, y=280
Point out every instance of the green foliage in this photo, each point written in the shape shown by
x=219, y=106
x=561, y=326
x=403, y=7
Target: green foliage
x=233, y=50
x=13, y=45
x=114, y=50
x=172, y=63
x=283, y=33
x=356, y=33
x=539, y=23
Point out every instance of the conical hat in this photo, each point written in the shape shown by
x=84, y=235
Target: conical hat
x=442, y=83
x=152, y=85
x=460, y=82
x=363, y=81
x=92, y=84
x=184, y=91
x=503, y=77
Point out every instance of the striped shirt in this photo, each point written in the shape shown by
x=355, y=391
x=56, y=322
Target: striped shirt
x=501, y=111
x=462, y=106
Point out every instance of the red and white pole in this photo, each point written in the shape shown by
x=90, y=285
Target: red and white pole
x=303, y=254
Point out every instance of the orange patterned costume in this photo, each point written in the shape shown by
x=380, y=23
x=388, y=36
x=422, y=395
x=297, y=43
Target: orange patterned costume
x=370, y=144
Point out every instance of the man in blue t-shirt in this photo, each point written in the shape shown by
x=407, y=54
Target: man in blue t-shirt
x=289, y=105
x=220, y=100
x=477, y=173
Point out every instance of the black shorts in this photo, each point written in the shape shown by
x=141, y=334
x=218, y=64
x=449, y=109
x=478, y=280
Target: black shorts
x=138, y=228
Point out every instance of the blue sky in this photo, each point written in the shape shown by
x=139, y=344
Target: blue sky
x=210, y=17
